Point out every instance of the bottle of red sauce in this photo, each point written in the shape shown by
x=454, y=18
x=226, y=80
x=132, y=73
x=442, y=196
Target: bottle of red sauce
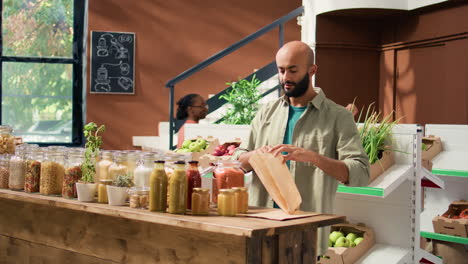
x=227, y=174
x=193, y=180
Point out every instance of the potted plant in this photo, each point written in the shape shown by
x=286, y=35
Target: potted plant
x=376, y=137
x=86, y=188
x=243, y=100
x=117, y=192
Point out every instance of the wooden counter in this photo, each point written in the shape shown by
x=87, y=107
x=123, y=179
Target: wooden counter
x=44, y=229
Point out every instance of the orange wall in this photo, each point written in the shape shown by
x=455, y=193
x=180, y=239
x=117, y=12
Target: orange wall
x=172, y=36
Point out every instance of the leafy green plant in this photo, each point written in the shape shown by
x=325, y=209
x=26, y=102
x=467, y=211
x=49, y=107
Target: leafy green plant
x=93, y=143
x=123, y=180
x=243, y=101
x=376, y=133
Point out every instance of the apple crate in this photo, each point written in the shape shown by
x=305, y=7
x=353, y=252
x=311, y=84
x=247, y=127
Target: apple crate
x=345, y=255
x=453, y=222
x=212, y=144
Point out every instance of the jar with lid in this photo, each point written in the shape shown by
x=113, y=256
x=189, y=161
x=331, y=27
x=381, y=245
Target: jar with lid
x=139, y=197
x=17, y=169
x=178, y=189
x=227, y=174
x=158, y=188
x=143, y=170
x=193, y=180
x=4, y=170
x=118, y=167
x=227, y=204
x=7, y=140
x=102, y=167
x=73, y=173
x=242, y=199
x=132, y=161
x=52, y=173
x=200, y=201
x=102, y=190
x=33, y=170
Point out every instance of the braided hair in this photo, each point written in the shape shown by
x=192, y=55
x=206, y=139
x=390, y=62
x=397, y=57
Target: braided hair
x=183, y=104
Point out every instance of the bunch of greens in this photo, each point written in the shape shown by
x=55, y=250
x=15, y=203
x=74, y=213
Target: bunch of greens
x=123, y=180
x=93, y=143
x=243, y=100
x=375, y=133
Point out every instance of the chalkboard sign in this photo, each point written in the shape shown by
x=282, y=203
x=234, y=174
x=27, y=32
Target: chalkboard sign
x=112, y=62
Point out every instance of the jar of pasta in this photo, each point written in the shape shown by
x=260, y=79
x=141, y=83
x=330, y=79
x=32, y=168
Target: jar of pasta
x=102, y=190
x=227, y=174
x=102, y=167
x=227, y=204
x=33, y=170
x=118, y=167
x=7, y=140
x=200, y=201
x=52, y=173
x=17, y=169
x=4, y=170
x=73, y=173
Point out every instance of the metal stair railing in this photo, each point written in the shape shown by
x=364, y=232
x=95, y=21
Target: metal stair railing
x=184, y=75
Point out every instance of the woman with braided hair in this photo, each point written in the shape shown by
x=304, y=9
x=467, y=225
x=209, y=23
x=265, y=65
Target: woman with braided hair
x=191, y=108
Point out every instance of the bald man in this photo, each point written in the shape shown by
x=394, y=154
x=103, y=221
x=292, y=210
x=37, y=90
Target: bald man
x=318, y=138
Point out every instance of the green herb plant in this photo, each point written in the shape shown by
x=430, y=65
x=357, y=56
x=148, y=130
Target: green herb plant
x=243, y=101
x=123, y=180
x=93, y=143
x=376, y=133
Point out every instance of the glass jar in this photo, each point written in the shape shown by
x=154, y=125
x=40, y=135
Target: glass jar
x=102, y=190
x=143, y=171
x=52, y=173
x=132, y=160
x=7, y=140
x=118, y=167
x=158, y=188
x=200, y=201
x=139, y=197
x=242, y=199
x=17, y=169
x=73, y=173
x=227, y=204
x=4, y=170
x=193, y=180
x=178, y=189
x=227, y=174
x=33, y=170
x=102, y=167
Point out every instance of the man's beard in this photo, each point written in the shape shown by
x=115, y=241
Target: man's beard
x=299, y=88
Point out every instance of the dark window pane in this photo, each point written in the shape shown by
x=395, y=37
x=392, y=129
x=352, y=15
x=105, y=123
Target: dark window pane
x=37, y=28
x=37, y=101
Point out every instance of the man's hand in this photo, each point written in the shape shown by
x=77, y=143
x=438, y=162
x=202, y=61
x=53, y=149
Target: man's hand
x=293, y=153
x=244, y=157
x=353, y=109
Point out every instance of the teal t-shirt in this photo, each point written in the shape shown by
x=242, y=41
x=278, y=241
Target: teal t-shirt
x=294, y=115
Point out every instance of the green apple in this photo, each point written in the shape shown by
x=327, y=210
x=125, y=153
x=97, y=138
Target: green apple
x=186, y=143
x=194, y=147
x=202, y=142
x=330, y=243
x=351, y=236
x=358, y=240
x=352, y=244
x=342, y=242
x=335, y=235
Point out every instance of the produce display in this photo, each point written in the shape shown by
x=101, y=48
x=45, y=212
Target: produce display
x=462, y=215
x=338, y=239
x=194, y=145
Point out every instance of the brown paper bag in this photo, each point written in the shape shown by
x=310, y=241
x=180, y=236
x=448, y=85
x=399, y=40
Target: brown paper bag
x=277, y=180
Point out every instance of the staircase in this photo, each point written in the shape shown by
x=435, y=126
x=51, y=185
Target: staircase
x=268, y=75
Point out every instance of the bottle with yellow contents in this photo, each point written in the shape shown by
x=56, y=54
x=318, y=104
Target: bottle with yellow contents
x=178, y=189
x=102, y=190
x=158, y=188
x=242, y=198
x=227, y=204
